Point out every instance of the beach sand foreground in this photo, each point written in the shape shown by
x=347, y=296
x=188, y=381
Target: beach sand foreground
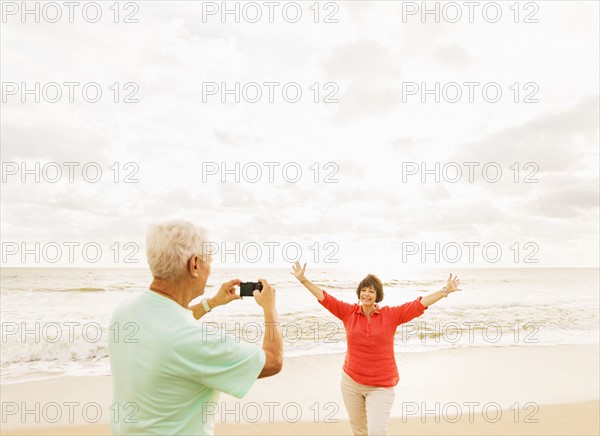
x=517, y=390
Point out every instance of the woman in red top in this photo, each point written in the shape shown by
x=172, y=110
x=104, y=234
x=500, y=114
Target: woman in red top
x=370, y=372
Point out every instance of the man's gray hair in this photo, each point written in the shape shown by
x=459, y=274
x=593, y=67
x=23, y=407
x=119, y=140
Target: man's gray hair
x=171, y=244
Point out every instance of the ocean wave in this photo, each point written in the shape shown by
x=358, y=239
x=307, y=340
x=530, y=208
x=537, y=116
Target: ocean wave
x=406, y=284
x=72, y=290
x=303, y=336
x=87, y=289
x=516, y=304
x=49, y=348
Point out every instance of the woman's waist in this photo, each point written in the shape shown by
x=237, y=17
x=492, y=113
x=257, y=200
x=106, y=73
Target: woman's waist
x=374, y=361
x=379, y=350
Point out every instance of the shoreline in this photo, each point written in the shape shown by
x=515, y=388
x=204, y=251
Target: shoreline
x=571, y=419
x=419, y=351
x=540, y=381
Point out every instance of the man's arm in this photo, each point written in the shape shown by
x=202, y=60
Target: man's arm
x=273, y=340
x=198, y=309
x=223, y=296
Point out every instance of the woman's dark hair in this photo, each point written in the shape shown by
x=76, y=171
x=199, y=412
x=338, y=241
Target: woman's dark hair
x=371, y=281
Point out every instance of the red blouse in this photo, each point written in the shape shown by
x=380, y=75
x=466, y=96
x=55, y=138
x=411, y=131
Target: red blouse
x=370, y=356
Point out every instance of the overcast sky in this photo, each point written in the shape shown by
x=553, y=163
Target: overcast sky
x=370, y=139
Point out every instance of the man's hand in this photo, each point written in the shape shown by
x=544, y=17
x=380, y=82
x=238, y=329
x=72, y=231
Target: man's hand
x=225, y=294
x=266, y=297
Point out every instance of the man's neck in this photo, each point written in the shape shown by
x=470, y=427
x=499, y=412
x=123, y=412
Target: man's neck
x=176, y=291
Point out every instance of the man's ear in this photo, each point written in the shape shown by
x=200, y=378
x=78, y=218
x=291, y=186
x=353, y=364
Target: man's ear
x=194, y=266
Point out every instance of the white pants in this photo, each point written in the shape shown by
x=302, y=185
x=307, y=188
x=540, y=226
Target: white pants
x=368, y=407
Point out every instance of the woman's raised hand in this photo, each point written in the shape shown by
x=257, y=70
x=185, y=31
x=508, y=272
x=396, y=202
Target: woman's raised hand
x=298, y=271
x=452, y=284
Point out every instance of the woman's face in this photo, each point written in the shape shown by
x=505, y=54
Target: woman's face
x=368, y=296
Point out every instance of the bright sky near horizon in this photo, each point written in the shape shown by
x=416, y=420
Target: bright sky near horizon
x=350, y=133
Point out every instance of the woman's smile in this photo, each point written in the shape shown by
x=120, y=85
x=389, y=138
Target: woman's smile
x=368, y=296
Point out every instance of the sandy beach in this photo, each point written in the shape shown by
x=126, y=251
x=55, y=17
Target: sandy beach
x=478, y=391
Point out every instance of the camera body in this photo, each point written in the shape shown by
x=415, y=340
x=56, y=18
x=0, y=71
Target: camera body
x=247, y=288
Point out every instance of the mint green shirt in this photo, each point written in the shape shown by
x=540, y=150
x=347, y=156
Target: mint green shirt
x=166, y=369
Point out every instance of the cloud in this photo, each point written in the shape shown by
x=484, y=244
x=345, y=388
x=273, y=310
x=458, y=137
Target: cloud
x=562, y=140
x=367, y=69
x=227, y=137
x=368, y=134
x=48, y=133
x=407, y=144
x=569, y=202
x=361, y=60
x=453, y=55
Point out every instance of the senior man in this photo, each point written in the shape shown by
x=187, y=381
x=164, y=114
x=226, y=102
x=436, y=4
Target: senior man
x=165, y=367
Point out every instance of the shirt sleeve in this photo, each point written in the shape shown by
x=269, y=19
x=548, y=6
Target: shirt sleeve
x=407, y=311
x=338, y=308
x=219, y=362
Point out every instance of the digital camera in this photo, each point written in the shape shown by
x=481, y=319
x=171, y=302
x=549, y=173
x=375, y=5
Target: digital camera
x=247, y=288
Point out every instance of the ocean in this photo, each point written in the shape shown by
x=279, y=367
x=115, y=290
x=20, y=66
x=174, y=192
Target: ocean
x=55, y=321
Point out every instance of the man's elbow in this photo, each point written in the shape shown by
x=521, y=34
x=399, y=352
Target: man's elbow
x=272, y=367
x=276, y=365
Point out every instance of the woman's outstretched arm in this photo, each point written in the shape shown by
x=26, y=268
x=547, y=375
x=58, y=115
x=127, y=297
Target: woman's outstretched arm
x=451, y=286
x=298, y=272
